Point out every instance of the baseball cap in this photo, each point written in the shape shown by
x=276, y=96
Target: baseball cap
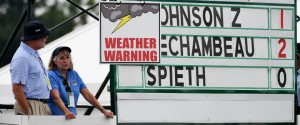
x=58, y=49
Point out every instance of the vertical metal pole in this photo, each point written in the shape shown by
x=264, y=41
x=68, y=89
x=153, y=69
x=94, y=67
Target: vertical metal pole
x=113, y=92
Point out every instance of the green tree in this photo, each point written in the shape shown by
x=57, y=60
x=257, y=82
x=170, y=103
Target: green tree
x=51, y=12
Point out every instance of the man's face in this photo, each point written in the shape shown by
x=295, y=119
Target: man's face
x=40, y=43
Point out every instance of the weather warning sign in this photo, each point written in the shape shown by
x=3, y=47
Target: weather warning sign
x=129, y=32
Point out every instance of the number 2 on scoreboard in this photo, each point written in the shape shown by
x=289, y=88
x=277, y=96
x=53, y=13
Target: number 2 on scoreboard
x=281, y=54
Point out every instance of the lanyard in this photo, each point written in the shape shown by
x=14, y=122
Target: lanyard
x=70, y=94
x=44, y=69
x=41, y=63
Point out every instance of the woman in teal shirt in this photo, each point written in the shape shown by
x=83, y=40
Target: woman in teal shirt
x=67, y=85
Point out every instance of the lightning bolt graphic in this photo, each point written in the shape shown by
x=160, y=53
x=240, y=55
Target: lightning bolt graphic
x=124, y=20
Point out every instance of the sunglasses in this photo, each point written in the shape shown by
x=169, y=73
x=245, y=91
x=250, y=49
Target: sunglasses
x=66, y=84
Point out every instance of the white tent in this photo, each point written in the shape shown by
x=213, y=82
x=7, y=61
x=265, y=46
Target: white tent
x=85, y=46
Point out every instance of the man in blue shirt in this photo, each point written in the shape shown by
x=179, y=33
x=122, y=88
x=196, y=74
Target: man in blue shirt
x=29, y=77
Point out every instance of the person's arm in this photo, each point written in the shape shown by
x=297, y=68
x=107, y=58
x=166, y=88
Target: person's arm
x=21, y=98
x=92, y=100
x=56, y=98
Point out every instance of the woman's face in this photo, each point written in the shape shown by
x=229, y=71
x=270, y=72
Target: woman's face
x=63, y=60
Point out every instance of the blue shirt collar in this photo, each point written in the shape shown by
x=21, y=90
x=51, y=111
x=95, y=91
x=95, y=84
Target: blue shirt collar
x=56, y=71
x=29, y=49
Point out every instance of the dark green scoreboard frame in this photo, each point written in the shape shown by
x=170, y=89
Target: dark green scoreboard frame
x=113, y=72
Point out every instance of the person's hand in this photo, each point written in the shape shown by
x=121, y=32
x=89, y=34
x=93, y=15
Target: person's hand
x=26, y=111
x=70, y=115
x=108, y=114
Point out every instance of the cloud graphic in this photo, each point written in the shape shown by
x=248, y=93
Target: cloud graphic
x=113, y=12
x=126, y=11
x=137, y=9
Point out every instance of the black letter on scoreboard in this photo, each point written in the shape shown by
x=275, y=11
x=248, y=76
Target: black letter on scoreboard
x=167, y=16
x=160, y=74
x=281, y=84
x=234, y=24
x=151, y=75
